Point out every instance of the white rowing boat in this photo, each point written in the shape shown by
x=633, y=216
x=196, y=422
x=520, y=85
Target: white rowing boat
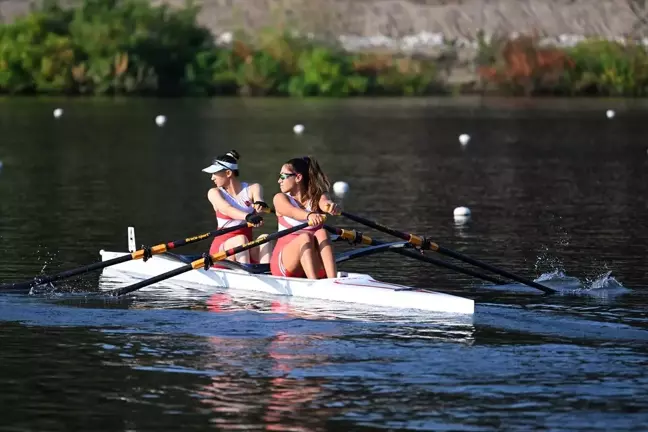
x=347, y=287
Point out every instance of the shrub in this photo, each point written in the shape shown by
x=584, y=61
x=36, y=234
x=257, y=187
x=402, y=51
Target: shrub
x=522, y=67
x=609, y=68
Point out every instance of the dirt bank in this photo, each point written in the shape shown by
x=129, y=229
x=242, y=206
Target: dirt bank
x=399, y=18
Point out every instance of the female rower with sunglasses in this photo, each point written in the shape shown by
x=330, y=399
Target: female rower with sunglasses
x=303, y=196
x=236, y=203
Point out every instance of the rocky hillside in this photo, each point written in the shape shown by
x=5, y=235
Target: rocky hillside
x=454, y=19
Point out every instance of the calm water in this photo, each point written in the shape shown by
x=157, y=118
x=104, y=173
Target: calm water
x=556, y=189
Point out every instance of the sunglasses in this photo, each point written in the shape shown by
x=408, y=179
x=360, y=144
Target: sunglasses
x=284, y=176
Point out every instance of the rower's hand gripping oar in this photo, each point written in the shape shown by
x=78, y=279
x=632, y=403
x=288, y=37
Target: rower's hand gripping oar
x=143, y=253
x=426, y=244
x=207, y=261
x=358, y=237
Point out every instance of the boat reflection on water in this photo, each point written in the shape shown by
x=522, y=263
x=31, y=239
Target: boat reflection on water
x=407, y=324
x=290, y=395
x=283, y=363
x=279, y=382
x=264, y=384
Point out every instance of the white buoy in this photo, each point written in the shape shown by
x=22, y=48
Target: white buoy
x=462, y=212
x=160, y=120
x=298, y=129
x=464, y=138
x=460, y=221
x=461, y=215
x=610, y=114
x=340, y=189
x=58, y=112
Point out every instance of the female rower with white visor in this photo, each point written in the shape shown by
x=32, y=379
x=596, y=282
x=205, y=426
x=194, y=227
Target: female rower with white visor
x=236, y=203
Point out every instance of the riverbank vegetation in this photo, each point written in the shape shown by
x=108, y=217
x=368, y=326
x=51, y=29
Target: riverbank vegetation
x=595, y=67
x=131, y=47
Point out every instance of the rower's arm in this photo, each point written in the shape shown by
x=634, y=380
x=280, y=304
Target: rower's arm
x=256, y=192
x=326, y=204
x=283, y=207
x=221, y=205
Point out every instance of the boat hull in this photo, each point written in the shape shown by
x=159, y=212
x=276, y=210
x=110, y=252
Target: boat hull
x=349, y=288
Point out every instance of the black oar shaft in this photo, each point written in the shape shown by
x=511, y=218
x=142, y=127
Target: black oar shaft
x=369, y=250
x=159, y=278
x=200, y=263
x=485, y=266
x=422, y=242
x=63, y=275
x=415, y=240
x=138, y=254
x=358, y=237
x=449, y=266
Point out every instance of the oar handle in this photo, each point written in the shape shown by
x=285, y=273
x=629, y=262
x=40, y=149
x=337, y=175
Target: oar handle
x=202, y=262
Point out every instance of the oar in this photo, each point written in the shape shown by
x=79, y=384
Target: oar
x=426, y=244
x=207, y=261
x=370, y=250
x=358, y=237
x=139, y=254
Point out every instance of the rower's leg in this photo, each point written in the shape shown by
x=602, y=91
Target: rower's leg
x=241, y=257
x=263, y=253
x=326, y=252
x=299, y=255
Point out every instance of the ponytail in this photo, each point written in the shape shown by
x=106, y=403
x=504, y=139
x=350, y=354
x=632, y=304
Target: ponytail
x=316, y=182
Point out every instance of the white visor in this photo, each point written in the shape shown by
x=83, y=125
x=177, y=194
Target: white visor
x=220, y=166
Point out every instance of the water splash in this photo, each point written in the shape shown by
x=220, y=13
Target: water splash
x=554, y=274
x=560, y=239
x=558, y=276
x=606, y=281
x=603, y=284
x=45, y=256
x=548, y=263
